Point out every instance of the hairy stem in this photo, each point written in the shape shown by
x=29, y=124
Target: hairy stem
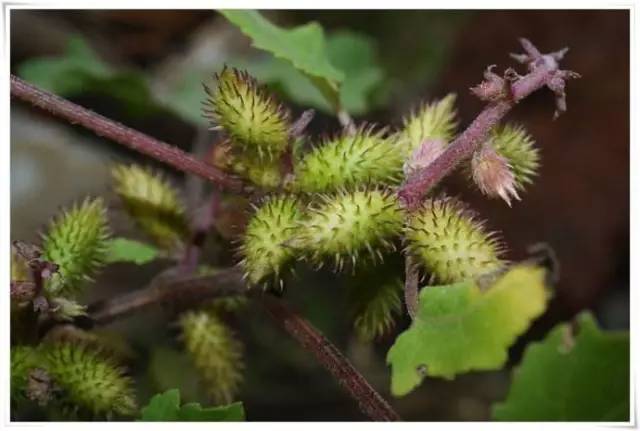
x=370, y=402
x=544, y=72
x=121, y=134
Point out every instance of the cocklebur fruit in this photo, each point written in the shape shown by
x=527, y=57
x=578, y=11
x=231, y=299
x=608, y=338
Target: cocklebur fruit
x=349, y=223
x=492, y=174
x=348, y=161
x=376, y=307
x=264, y=174
x=254, y=121
x=89, y=380
x=265, y=250
x=153, y=204
x=215, y=351
x=436, y=120
x=450, y=243
x=23, y=359
x=76, y=241
x=517, y=147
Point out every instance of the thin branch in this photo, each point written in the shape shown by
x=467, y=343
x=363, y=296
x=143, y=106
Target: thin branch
x=370, y=402
x=121, y=134
x=167, y=288
x=502, y=95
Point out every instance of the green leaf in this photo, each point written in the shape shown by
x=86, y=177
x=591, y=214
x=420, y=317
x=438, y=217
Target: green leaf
x=162, y=407
x=303, y=46
x=459, y=327
x=571, y=378
x=192, y=412
x=80, y=71
x=353, y=53
x=129, y=250
x=166, y=407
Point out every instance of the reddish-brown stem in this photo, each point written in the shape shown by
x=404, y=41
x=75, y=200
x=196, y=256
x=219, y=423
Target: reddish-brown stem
x=544, y=72
x=370, y=402
x=181, y=291
x=121, y=134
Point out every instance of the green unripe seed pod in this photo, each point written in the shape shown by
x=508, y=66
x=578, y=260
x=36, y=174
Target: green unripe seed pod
x=349, y=161
x=436, y=120
x=216, y=353
x=450, y=243
x=254, y=121
x=349, y=223
x=89, y=380
x=77, y=242
x=153, y=203
x=514, y=144
x=265, y=249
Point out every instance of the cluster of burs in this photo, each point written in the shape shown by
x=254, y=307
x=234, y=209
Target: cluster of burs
x=336, y=202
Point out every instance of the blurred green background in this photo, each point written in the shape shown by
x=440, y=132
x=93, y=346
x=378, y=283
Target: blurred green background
x=145, y=69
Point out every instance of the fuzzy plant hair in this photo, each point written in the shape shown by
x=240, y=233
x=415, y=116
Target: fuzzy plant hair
x=76, y=242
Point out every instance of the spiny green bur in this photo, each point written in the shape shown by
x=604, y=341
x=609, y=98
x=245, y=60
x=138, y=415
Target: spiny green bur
x=77, y=242
x=347, y=224
x=251, y=117
x=451, y=244
x=351, y=159
x=514, y=144
x=89, y=380
x=215, y=352
x=153, y=203
x=264, y=248
x=265, y=174
x=23, y=359
x=436, y=120
x=376, y=311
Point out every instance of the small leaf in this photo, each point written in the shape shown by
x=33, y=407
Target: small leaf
x=459, y=327
x=193, y=412
x=129, y=250
x=162, y=407
x=166, y=407
x=571, y=378
x=304, y=46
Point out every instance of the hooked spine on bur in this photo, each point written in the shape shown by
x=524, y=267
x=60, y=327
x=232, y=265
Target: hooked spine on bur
x=76, y=242
x=450, y=243
x=153, y=203
x=350, y=160
x=251, y=117
x=216, y=353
